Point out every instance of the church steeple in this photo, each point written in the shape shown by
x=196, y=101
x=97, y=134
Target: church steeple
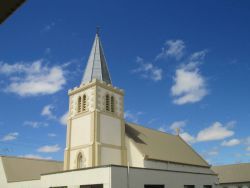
x=95, y=127
x=96, y=67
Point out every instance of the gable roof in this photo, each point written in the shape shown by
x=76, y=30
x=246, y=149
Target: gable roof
x=14, y=168
x=97, y=67
x=156, y=145
x=235, y=173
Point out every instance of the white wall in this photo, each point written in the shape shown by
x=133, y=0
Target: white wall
x=139, y=177
x=243, y=185
x=116, y=177
x=79, y=177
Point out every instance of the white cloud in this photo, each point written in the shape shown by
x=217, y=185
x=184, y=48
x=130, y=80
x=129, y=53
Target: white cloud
x=48, y=27
x=189, y=84
x=212, y=152
x=162, y=129
x=248, y=148
x=49, y=149
x=64, y=118
x=10, y=136
x=232, y=142
x=31, y=79
x=215, y=132
x=148, y=70
x=134, y=117
x=47, y=111
x=33, y=156
x=187, y=137
x=35, y=124
x=177, y=125
x=51, y=135
x=172, y=48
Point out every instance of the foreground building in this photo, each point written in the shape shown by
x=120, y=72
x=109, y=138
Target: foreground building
x=103, y=150
x=233, y=176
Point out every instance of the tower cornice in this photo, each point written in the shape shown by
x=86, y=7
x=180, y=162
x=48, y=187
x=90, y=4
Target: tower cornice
x=96, y=82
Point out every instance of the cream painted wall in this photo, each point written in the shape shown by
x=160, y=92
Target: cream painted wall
x=86, y=152
x=110, y=130
x=81, y=131
x=90, y=102
x=3, y=179
x=110, y=156
x=101, y=93
x=135, y=158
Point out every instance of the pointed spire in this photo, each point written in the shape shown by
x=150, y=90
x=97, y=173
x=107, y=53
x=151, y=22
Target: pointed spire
x=96, y=67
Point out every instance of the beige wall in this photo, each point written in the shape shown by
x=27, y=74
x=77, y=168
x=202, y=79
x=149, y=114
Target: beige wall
x=87, y=157
x=81, y=131
x=134, y=156
x=110, y=156
x=101, y=93
x=110, y=130
x=136, y=159
x=3, y=179
x=95, y=131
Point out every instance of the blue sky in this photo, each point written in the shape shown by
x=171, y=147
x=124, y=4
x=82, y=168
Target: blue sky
x=182, y=64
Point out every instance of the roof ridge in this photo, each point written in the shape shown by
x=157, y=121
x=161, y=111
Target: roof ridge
x=193, y=150
x=17, y=157
x=235, y=164
x=152, y=129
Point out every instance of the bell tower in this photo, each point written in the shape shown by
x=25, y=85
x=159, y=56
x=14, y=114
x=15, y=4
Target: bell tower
x=95, y=126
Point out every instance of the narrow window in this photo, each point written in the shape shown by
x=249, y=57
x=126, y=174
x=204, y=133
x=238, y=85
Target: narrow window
x=79, y=107
x=207, y=186
x=189, y=186
x=79, y=161
x=107, y=103
x=112, y=104
x=84, y=103
x=92, y=186
x=154, y=186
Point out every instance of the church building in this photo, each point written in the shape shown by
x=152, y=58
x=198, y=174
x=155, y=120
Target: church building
x=104, y=151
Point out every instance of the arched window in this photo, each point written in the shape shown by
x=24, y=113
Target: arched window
x=107, y=103
x=112, y=104
x=84, y=102
x=79, y=105
x=79, y=161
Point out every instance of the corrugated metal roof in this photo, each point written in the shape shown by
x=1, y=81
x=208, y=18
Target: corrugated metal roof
x=23, y=169
x=234, y=173
x=156, y=145
x=96, y=67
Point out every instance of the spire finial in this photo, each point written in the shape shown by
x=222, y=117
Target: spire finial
x=177, y=131
x=97, y=30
